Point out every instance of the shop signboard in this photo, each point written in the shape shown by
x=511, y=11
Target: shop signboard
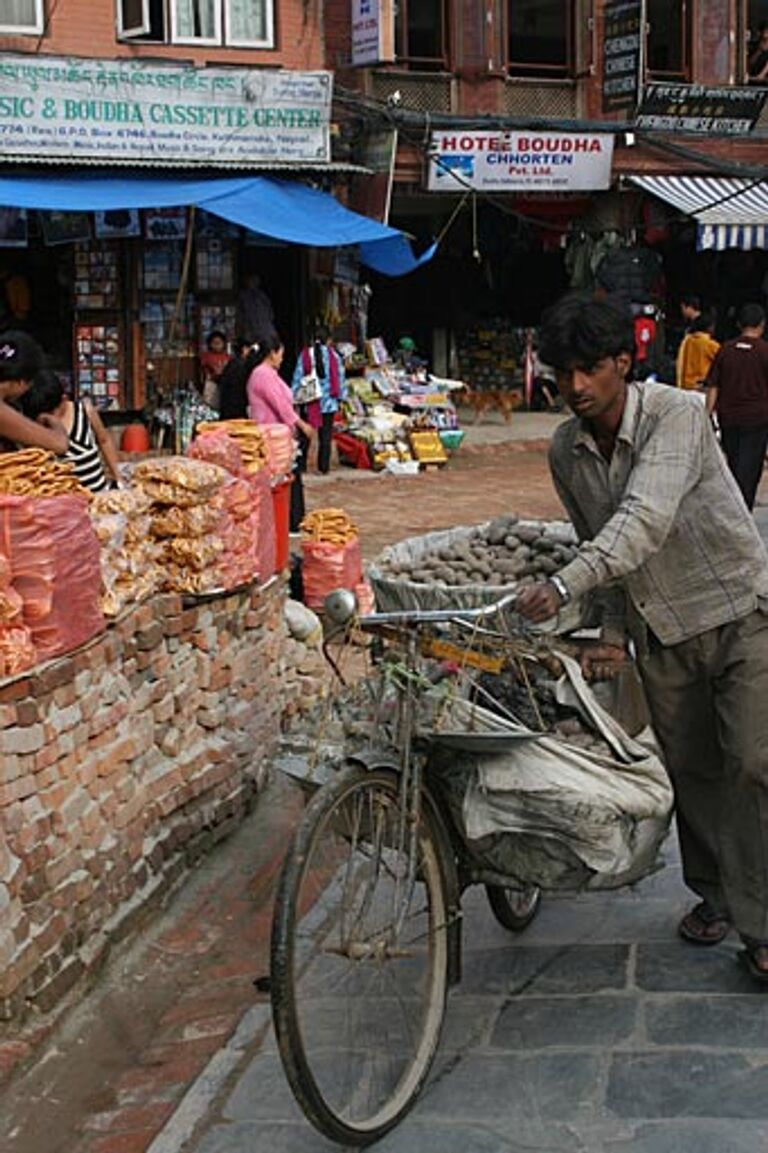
x=694, y=108
x=373, y=31
x=621, y=54
x=132, y=111
x=519, y=161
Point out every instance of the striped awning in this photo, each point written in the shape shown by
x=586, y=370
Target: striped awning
x=729, y=212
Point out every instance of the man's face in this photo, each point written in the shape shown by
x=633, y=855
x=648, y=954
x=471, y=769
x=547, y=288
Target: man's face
x=593, y=391
x=688, y=311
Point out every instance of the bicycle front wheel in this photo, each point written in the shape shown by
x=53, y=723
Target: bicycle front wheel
x=359, y=957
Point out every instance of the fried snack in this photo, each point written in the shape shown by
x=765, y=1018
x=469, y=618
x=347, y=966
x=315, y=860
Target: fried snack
x=249, y=438
x=35, y=472
x=197, y=553
x=131, y=501
x=328, y=526
x=185, y=522
x=179, y=474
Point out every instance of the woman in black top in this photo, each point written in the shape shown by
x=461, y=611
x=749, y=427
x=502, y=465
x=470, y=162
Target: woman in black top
x=233, y=401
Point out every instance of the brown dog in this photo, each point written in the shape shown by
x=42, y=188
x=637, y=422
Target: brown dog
x=483, y=400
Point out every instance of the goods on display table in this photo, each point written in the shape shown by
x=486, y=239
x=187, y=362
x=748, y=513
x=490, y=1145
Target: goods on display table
x=396, y=419
x=71, y=560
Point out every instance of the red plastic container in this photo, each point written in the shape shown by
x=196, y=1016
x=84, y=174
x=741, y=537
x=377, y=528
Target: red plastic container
x=281, y=502
x=135, y=438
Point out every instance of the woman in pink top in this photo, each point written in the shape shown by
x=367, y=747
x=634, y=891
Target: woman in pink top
x=270, y=401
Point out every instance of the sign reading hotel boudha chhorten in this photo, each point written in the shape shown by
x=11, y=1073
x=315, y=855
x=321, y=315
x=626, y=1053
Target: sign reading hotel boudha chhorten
x=133, y=111
x=519, y=161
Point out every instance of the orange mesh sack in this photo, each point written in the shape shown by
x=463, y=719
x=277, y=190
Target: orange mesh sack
x=280, y=446
x=264, y=524
x=326, y=567
x=238, y=530
x=75, y=615
x=27, y=548
x=55, y=569
x=218, y=448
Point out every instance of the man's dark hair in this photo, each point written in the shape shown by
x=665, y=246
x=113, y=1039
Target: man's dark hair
x=704, y=321
x=751, y=315
x=691, y=300
x=579, y=331
x=20, y=356
x=45, y=395
x=217, y=334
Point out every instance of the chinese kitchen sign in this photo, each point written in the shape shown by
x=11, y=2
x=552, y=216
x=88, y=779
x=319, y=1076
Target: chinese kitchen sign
x=694, y=108
x=621, y=54
x=119, y=110
x=373, y=31
x=519, y=161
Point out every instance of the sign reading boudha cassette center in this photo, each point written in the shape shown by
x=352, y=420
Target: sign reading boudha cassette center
x=131, y=111
x=519, y=161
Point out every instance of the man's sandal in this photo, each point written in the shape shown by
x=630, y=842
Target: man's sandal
x=704, y=925
x=755, y=957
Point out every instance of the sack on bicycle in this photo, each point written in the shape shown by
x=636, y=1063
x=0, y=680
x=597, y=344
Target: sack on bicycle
x=552, y=813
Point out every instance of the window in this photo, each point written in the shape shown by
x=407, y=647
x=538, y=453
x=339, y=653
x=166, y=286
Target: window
x=237, y=23
x=420, y=32
x=24, y=16
x=755, y=62
x=668, y=43
x=540, y=40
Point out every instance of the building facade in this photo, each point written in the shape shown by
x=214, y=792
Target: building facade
x=544, y=67
x=135, y=89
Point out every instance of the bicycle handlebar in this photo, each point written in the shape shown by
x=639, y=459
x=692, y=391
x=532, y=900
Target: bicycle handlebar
x=436, y=616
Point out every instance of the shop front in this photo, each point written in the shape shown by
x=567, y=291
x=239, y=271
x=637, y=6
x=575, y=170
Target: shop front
x=504, y=204
x=133, y=217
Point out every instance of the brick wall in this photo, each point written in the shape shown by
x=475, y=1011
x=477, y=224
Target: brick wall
x=120, y=763
x=82, y=28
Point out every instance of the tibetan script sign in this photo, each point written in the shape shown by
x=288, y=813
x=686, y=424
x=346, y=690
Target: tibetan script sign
x=134, y=111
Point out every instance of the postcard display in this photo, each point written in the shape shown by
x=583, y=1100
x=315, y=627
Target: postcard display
x=98, y=353
x=209, y=305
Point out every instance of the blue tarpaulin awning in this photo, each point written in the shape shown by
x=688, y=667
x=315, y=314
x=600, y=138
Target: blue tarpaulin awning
x=285, y=210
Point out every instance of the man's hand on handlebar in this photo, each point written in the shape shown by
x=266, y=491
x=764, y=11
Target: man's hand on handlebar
x=538, y=602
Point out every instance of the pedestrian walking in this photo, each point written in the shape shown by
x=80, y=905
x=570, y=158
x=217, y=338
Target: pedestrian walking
x=698, y=349
x=737, y=393
x=319, y=359
x=667, y=540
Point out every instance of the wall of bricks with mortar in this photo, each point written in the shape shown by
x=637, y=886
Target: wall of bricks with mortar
x=119, y=765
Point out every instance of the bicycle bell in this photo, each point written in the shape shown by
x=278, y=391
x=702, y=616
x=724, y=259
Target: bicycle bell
x=340, y=606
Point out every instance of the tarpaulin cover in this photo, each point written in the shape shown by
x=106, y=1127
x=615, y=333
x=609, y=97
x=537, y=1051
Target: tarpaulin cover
x=282, y=209
x=729, y=212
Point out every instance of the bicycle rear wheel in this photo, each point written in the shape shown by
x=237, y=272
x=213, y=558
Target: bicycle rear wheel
x=514, y=908
x=359, y=958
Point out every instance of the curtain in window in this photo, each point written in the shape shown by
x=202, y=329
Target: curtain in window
x=247, y=20
x=195, y=19
x=21, y=12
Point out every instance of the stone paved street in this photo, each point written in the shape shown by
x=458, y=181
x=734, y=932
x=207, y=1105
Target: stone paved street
x=595, y=1031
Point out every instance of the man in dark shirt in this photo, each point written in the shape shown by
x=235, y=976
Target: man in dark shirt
x=737, y=391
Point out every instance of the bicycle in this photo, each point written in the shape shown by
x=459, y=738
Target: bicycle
x=367, y=927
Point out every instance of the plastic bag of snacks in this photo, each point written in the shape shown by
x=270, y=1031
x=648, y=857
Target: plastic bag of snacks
x=281, y=446
x=330, y=549
x=17, y=653
x=55, y=567
x=218, y=448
